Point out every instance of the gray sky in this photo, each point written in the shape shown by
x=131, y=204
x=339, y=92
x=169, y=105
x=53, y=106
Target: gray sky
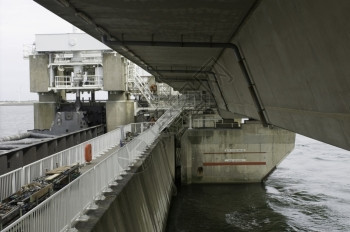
x=20, y=20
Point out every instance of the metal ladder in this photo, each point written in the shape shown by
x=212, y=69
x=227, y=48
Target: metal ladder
x=135, y=80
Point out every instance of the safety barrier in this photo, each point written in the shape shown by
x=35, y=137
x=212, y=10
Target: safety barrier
x=11, y=182
x=67, y=82
x=68, y=204
x=60, y=210
x=14, y=180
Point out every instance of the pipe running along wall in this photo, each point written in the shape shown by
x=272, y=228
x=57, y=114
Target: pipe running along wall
x=234, y=47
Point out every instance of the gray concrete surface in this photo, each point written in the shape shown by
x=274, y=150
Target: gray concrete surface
x=44, y=114
x=141, y=200
x=119, y=113
x=297, y=53
x=114, y=76
x=39, y=73
x=252, y=143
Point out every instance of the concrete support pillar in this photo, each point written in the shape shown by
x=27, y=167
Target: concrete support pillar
x=114, y=72
x=119, y=110
x=39, y=73
x=63, y=95
x=41, y=77
x=44, y=114
x=222, y=155
x=45, y=111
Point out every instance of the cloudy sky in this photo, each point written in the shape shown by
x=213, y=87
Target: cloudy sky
x=20, y=20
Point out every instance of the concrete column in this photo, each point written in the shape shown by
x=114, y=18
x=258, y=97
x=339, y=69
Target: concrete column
x=119, y=110
x=63, y=95
x=114, y=72
x=45, y=111
x=39, y=73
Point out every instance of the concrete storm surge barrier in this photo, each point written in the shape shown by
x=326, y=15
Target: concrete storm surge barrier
x=130, y=188
x=141, y=200
x=227, y=155
x=294, y=54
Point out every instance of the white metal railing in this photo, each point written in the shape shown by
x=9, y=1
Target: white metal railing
x=67, y=58
x=14, y=180
x=135, y=80
x=62, y=60
x=135, y=128
x=144, y=89
x=92, y=81
x=59, y=211
x=63, y=81
x=10, y=183
x=95, y=59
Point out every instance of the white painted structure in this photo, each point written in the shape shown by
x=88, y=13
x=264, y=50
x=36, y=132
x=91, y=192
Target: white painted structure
x=68, y=42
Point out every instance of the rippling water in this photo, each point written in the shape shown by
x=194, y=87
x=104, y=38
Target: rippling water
x=312, y=187
x=16, y=119
x=309, y=191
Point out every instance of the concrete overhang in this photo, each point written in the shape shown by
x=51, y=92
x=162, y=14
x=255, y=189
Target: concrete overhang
x=293, y=72
x=171, y=21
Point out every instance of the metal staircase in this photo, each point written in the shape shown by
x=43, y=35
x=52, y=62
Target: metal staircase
x=137, y=86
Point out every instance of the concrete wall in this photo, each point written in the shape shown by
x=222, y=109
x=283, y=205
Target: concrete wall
x=39, y=73
x=140, y=201
x=297, y=53
x=233, y=155
x=114, y=77
x=119, y=113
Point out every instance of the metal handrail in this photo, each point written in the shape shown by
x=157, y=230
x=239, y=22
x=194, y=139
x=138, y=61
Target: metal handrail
x=67, y=81
x=68, y=203
x=11, y=182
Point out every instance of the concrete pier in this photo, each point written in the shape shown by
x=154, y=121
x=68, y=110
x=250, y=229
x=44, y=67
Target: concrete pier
x=59, y=67
x=241, y=155
x=45, y=109
x=119, y=109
